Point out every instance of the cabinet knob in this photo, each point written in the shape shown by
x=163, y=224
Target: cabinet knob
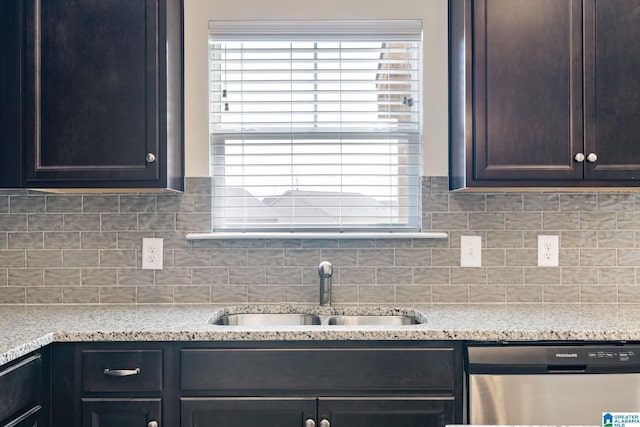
x=150, y=157
x=579, y=157
x=325, y=423
x=592, y=157
x=152, y=424
x=309, y=423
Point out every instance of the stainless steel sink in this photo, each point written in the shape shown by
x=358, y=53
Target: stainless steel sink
x=268, y=319
x=377, y=320
x=283, y=315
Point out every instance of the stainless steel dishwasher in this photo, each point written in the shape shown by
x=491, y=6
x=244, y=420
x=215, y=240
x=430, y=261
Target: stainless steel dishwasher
x=551, y=384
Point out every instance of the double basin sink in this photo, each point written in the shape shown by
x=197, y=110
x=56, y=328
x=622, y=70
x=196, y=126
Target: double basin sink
x=281, y=316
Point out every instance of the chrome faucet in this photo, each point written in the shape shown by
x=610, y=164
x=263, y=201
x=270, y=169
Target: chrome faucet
x=325, y=270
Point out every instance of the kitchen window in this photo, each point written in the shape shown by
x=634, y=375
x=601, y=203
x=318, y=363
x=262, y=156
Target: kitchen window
x=316, y=125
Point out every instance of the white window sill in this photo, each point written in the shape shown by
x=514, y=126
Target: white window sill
x=316, y=235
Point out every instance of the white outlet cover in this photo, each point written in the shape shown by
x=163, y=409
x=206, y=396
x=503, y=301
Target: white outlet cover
x=548, y=247
x=152, y=253
x=470, y=251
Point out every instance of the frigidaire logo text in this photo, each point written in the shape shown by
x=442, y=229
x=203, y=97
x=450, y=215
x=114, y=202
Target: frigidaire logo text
x=566, y=355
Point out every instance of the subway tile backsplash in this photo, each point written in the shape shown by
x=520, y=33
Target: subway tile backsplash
x=86, y=249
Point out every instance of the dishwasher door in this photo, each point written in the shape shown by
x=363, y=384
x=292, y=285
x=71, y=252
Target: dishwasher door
x=551, y=384
x=551, y=399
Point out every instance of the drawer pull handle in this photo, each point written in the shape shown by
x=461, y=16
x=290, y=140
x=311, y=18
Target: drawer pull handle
x=152, y=424
x=309, y=423
x=121, y=372
x=325, y=423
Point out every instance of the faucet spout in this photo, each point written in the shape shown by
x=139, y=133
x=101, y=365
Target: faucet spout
x=325, y=270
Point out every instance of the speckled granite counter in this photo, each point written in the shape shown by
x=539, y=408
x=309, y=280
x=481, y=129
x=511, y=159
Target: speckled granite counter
x=24, y=329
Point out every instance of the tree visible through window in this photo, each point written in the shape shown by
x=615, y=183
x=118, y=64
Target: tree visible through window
x=316, y=125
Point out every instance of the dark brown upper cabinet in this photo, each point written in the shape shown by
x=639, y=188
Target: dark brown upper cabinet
x=544, y=93
x=100, y=93
x=10, y=95
x=612, y=95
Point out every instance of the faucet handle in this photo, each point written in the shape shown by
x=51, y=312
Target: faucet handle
x=325, y=269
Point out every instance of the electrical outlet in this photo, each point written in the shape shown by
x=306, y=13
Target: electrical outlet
x=152, y=254
x=470, y=251
x=548, y=251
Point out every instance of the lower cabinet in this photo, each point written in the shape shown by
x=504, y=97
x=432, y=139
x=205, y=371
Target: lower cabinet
x=322, y=412
x=386, y=412
x=241, y=384
x=227, y=412
x=32, y=418
x=324, y=384
x=121, y=412
x=23, y=387
x=112, y=385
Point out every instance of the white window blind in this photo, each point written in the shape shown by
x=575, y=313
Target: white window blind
x=316, y=125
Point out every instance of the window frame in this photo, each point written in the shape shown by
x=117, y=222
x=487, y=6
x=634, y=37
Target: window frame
x=250, y=29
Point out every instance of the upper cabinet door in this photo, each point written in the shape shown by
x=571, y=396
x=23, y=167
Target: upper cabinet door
x=527, y=89
x=612, y=88
x=10, y=93
x=97, y=89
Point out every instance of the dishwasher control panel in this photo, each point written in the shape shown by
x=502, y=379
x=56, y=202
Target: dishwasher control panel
x=593, y=354
x=553, y=358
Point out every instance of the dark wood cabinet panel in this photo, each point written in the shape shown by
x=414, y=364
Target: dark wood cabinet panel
x=65, y=386
x=379, y=384
x=515, y=91
x=387, y=412
x=339, y=412
x=612, y=92
x=527, y=62
x=24, y=391
x=318, y=370
x=21, y=386
x=120, y=412
x=236, y=384
x=533, y=84
x=128, y=370
x=31, y=418
x=95, y=79
x=83, y=396
x=242, y=412
x=96, y=93
x=11, y=52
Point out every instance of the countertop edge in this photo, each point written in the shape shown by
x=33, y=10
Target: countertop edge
x=27, y=347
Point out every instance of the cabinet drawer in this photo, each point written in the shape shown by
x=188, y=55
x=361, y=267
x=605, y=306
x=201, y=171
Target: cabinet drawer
x=30, y=418
x=127, y=370
x=318, y=370
x=20, y=386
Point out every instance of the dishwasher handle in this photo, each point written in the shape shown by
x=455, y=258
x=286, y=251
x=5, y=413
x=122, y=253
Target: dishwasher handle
x=567, y=369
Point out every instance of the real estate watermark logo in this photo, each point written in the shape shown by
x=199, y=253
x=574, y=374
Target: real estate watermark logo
x=621, y=419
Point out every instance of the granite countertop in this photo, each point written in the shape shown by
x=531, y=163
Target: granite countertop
x=25, y=329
